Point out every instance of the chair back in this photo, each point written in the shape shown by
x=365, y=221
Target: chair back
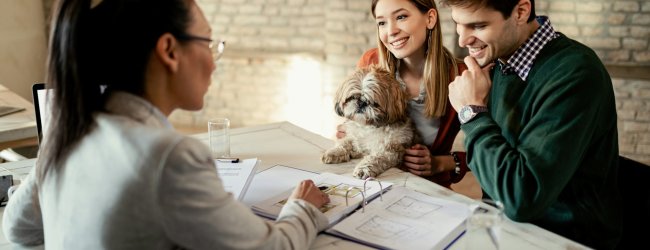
x=634, y=185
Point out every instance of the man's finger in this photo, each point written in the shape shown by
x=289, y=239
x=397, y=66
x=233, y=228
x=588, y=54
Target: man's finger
x=471, y=63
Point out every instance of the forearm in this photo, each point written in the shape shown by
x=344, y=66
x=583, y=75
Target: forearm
x=22, y=222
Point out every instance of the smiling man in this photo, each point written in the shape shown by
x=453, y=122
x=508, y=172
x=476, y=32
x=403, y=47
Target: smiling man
x=539, y=115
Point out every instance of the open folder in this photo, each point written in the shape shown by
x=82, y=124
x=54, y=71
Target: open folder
x=390, y=217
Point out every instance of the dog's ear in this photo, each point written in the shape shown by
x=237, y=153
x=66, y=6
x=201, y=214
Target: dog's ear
x=338, y=110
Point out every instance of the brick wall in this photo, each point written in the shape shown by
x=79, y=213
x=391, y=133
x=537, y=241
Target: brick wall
x=321, y=40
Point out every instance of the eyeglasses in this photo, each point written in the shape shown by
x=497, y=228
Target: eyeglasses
x=217, y=49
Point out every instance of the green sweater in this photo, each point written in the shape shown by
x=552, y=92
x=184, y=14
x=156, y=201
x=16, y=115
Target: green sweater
x=548, y=147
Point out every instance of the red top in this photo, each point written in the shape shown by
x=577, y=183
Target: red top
x=449, y=127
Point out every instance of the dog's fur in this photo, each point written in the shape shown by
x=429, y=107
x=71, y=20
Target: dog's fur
x=377, y=127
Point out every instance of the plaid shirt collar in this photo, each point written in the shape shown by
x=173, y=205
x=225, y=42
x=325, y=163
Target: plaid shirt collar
x=522, y=60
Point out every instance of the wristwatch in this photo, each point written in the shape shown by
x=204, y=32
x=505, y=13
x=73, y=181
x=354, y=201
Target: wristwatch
x=468, y=112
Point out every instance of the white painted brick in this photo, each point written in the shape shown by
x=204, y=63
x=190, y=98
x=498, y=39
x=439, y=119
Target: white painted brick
x=295, y=2
x=292, y=11
x=562, y=6
x=318, y=21
x=626, y=148
x=592, y=31
x=616, y=19
x=590, y=18
x=603, y=43
x=643, y=148
x=311, y=31
x=336, y=4
x=635, y=43
x=335, y=26
x=344, y=15
x=238, y=2
x=619, y=31
x=279, y=31
x=244, y=31
x=641, y=57
x=589, y=7
x=626, y=114
x=617, y=56
x=279, y=21
x=569, y=30
x=312, y=11
x=250, y=20
x=563, y=18
x=644, y=138
x=644, y=93
x=640, y=31
x=641, y=19
x=225, y=9
x=270, y=10
x=631, y=126
x=626, y=6
x=250, y=9
x=645, y=6
x=359, y=5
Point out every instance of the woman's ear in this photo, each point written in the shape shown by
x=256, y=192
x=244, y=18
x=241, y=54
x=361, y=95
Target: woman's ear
x=432, y=17
x=167, y=51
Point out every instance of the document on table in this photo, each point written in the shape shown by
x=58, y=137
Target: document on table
x=337, y=186
x=236, y=177
x=405, y=219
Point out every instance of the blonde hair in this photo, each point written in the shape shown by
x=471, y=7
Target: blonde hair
x=438, y=63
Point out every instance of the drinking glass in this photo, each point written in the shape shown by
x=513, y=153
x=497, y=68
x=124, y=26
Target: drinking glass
x=484, y=225
x=219, y=137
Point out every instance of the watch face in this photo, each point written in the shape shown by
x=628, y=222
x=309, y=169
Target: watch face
x=465, y=114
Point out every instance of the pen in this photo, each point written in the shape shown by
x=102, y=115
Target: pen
x=228, y=160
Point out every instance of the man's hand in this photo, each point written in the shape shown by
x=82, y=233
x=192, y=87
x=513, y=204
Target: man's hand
x=472, y=87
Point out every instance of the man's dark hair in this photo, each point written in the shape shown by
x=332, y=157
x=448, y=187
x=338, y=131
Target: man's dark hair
x=503, y=6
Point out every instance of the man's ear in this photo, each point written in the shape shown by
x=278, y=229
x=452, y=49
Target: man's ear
x=432, y=17
x=522, y=11
x=167, y=51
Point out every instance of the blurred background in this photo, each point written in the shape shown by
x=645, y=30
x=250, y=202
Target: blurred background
x=285, y=58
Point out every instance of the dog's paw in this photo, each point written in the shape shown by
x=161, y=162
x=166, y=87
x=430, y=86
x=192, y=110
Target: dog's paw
x=363, y=172
x=335, y=155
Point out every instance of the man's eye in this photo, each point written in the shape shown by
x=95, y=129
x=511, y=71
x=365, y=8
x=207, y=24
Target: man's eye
x=381, y=23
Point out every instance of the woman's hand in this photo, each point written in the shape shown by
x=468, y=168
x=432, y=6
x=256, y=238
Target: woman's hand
x=309, y=192
x=419, y=161
x=340, y=131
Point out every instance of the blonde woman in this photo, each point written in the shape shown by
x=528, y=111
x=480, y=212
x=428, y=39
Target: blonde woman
x=409, y=44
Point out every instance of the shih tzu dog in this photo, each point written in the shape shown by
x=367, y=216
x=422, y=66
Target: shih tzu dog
x=377, y=127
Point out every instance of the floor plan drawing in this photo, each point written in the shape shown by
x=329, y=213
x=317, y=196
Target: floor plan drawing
x=413, y=208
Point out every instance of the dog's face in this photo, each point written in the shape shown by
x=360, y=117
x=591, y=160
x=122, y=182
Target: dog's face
x=371, y=96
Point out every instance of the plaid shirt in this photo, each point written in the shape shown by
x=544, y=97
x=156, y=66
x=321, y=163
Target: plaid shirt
x=522, y=60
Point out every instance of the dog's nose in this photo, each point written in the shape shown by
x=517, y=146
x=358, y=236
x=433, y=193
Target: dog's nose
x=362, y=106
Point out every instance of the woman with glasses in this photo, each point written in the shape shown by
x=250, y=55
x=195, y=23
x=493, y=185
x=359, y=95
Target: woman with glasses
x=114, y=174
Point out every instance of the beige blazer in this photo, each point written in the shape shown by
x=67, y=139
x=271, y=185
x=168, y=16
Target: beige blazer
x=134, y=183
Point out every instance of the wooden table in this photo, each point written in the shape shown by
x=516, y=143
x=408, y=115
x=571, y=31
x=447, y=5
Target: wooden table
x=17, y=129
x=289, y=145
